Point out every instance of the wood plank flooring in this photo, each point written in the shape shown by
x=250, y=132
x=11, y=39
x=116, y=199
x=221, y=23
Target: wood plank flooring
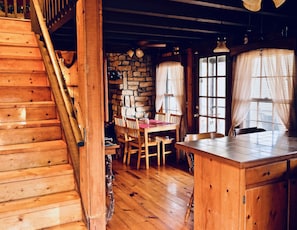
x=151, y=199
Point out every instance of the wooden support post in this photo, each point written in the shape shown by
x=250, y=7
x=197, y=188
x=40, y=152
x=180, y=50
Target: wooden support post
x=91, y=100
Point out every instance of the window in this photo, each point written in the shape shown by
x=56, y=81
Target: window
x=170, y=103
x=212, y=94
x=170, y=88
x=263, y=112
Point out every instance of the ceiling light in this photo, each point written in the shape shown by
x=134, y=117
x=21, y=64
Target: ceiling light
x=278, y=3
x=139, y=53
x=130, y=53
x=255, y=5
x=221, y=46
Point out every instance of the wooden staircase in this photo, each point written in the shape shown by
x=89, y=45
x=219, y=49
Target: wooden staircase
x=37, y=184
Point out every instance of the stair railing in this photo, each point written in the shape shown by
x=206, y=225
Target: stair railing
x=14, y=9
x=73, y=135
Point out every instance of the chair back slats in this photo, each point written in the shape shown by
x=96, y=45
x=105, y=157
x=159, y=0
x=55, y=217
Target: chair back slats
x=133, y=128
x=120, y=121
x=198, y=136
x=160, y=116
x=175, y=118
x=120, y=127
x=195, y=137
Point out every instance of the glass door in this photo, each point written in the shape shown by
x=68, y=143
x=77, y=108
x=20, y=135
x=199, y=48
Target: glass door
x=211, y=108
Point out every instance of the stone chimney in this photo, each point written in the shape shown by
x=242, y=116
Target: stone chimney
x=132, y=92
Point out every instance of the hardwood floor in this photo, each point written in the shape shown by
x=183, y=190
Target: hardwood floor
x=151, y=199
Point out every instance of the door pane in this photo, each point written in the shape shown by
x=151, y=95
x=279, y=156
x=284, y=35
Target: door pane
x=203, y=87
x=202, y=106
x=212, y=71
x=202, y=124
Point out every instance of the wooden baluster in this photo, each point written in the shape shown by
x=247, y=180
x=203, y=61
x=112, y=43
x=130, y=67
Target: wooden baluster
x=15, y=8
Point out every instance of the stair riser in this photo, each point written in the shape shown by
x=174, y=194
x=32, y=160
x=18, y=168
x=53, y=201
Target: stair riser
x=25, y=94
x=20, y=39
x=23, y=160
x=27, y=114
x=29, y=135
x=16, y=51
x=23, y=79
x=8, y=25
x=21, y=65
x=36, y=187
x=39, y=219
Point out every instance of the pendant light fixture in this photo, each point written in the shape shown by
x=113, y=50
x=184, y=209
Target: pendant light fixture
x=221, y=46
x=130, y=53
x=138, y=53
x=221, y=41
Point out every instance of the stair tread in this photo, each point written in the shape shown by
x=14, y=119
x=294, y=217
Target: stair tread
x=38, y=203
x=34, y=173
x=78, y=225
x=25, y=71
x=26, y=104
x=29, y=124
x=18, y=57
x=37, y=146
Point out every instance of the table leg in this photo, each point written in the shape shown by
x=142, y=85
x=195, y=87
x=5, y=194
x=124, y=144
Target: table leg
x=146, y=149
x=177, y=140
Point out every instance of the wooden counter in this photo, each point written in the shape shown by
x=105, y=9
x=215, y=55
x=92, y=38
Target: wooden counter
x=245, y=182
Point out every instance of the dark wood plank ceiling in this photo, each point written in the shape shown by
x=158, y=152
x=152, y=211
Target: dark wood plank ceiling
x=189, y=23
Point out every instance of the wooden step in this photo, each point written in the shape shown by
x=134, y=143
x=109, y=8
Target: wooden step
x=27, y=39
x=78, y=225
x=30, y=135
x=27, y=111
x=41, y=212
x=16, y=64
x=39, y=154
x=25, y=94
x=25, y=183
x=23, y=78
x=14, y=25
x=20, y=52
x=29, y=124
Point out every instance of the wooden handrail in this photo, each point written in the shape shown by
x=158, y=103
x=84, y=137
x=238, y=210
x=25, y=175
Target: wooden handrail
x=66, y=112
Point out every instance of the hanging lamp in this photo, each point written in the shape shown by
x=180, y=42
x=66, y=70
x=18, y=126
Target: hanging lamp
x=139, y=53
x=221, y=46
x=130, y=53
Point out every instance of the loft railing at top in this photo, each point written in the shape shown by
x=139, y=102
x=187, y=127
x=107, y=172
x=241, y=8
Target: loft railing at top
x=57, y=12
x=15, y=8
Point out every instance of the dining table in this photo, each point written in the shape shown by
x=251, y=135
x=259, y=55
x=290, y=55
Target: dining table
x=148, y=126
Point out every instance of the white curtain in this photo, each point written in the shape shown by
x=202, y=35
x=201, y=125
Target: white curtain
x=176, y=72
x=278, y=65
x=242, y=81
x=161, y=77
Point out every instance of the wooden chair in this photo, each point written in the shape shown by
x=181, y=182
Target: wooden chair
x=160, y=116
x=121, y=135
x=190, y=160
x=168, y=140
x=137, y=144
